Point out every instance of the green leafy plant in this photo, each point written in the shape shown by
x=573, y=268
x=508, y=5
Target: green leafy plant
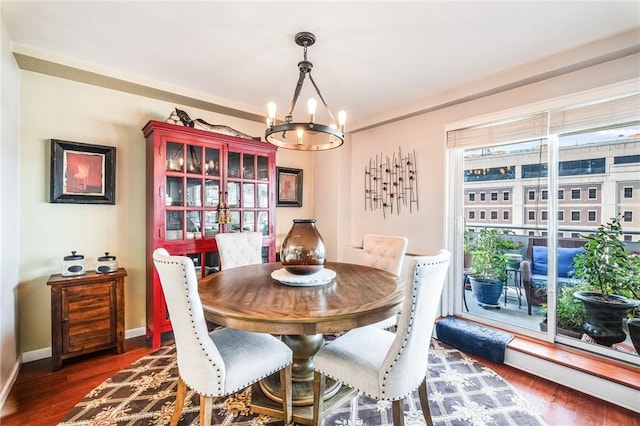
x=607, y=266
x=489, y=259
x=570, y=312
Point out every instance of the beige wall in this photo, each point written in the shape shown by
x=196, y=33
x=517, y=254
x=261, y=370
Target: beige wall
x=9, y=214
x=62, y=109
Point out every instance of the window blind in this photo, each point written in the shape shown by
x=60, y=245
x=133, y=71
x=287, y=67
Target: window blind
x=621, y=110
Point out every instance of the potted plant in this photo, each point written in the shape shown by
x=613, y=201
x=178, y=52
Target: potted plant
x=570, y=314
x=632, y=291
x=606, y=269
x=490, y=264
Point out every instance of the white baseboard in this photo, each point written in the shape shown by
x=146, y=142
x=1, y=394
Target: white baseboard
x=6, y=388
x=46, y=352
x=135, y=332
x=37, y=354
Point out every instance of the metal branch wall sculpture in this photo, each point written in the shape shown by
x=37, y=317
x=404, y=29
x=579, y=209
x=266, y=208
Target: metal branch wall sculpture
x=391, y=183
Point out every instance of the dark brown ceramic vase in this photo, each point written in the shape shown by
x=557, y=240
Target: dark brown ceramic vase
x=303, y=251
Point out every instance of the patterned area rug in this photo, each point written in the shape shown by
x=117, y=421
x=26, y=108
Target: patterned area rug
x=461, y=392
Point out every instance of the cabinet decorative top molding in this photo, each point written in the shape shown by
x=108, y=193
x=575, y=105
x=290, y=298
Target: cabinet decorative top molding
x=157, y=126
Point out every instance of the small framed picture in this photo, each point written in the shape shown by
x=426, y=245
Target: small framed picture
x=82, y=173
x=289, y=183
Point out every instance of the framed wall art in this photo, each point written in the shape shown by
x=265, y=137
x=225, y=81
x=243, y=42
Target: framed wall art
x=289, y=183
x=82, y=173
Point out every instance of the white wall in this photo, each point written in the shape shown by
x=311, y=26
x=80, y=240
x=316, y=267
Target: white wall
x=56, y=108
x=9, y=214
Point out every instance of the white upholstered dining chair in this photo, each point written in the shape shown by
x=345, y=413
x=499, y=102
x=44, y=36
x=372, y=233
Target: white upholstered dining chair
x=384, y=365
x=219, y=363
x=387, y=253
x=239, y=249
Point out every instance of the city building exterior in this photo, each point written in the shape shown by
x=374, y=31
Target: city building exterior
x=596, y=181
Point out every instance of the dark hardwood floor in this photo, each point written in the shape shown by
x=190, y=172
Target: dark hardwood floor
x=42, y=397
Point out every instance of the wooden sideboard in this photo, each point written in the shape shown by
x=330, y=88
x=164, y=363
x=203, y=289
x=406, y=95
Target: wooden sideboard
x=87, y=314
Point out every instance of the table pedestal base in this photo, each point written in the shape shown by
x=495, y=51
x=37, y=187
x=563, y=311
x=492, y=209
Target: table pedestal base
x=261, y=404
x=301, y=392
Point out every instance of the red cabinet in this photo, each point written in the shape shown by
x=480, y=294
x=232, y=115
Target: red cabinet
x=200, y=183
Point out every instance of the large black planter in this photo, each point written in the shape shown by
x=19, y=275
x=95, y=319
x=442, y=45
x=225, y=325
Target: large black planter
x=634, y=332
x=604, y=319
x=487, y=291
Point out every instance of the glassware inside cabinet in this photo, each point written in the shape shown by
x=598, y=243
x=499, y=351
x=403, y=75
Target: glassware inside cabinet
x=194, y=159
x=248, y=221
x=263, y=222
x=263, y=168
x=174, y=191
x=174, y=156
x=263, y=196
x=234, y=224
x=194, y=229
x=211, y=193
x=248, y=195
x=194, y=192
x=211, y=262
x=212, y=162
x=173, y=229
x=211, y=226
x=233, y=194
x=233, y=166
x=248, y=167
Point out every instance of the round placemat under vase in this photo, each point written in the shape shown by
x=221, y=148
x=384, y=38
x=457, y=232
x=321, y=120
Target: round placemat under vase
x=323, y=276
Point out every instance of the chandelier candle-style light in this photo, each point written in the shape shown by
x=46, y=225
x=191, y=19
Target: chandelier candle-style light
x=307, y=136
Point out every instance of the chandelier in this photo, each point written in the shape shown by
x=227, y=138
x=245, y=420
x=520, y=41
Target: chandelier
x=307, y=136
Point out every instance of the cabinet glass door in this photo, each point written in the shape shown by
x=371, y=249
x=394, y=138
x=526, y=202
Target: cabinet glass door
x=263, y=168
x=194, y=228
x=248, y=195
x=263, y=222
x=211, y=193
x=194, y=159
x=194, y=192
x=174, y=191
x=233, y=194
x=173, y=225
x=233, y=164
x=212, y=162
x=248, y=221
x=211, y=226
x=248, y=167
x=175, y=157
x=263, y=196
x=234, y=224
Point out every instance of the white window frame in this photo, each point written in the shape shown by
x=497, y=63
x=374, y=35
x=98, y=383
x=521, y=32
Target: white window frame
x=453, y=209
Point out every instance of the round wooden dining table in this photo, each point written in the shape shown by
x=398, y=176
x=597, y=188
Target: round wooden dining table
x=248, y=298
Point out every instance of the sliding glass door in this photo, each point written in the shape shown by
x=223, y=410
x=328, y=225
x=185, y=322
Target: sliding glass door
x=542, y=183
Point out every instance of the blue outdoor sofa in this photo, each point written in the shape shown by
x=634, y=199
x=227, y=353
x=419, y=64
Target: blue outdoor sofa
x=535, y=265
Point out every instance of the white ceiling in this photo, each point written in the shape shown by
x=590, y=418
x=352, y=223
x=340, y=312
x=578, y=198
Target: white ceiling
x=370, y=58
